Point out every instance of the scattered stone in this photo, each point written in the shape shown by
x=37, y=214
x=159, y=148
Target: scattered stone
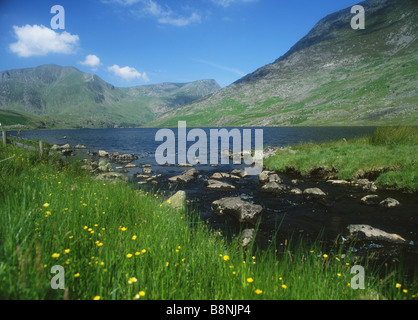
x=275, y=178
x=215, y=184
x=80, y=146
x=119, y=168
x=364, y=184
x=313, y=193
x=220, y=175
x=389, y=203
x=103, y=154
x=191, y=172
x=239, y=172
x=142, y=182
x=270, y=151
x=370, y=199
x=184, y=178
x=366, y=232
x=122, y=158
x=239, y=209
x=338, y=182
x=111, y=176
x=145, y=166
x=130, y=166
x=273, y=187
x=263, y=177
x=185, y=165
x=247, y=236
x=142, y=176
x=147, y=171
x=295, y=191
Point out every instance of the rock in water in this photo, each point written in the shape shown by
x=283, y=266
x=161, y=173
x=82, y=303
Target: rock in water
x=274, y=187
x=313, y=193
x=366, y=232
x=370, y=199
x=389, y=203
x=237, y=208
x=178, y=200
x=215, y=184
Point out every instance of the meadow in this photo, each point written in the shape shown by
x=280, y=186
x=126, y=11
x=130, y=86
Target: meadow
x=118, y=243
x=388, y=156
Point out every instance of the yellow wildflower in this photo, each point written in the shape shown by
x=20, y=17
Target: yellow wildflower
x=55, y=255
x=258, y=291
x=129, y=255
x=226, y=258
x=250, y=280
x=96, y=298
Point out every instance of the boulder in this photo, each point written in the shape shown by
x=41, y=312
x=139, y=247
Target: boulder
x=389, y=203
x=368, y=233
x=215, y=184
x=313, y=193
x=247, y=236
x=178, y=200
x=242, y=211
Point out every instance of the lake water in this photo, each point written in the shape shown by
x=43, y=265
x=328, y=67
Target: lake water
x=291, y=212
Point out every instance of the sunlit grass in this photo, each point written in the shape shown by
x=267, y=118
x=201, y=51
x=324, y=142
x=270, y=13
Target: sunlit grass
x=389, y=156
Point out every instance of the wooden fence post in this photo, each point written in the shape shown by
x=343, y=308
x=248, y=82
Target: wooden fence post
x=41, y=148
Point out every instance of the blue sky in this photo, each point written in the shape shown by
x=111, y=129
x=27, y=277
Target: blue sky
x=137, y=42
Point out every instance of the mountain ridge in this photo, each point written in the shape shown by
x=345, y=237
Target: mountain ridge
x=68, y=97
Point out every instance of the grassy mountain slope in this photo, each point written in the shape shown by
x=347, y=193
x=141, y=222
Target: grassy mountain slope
x=333, y=76
x=67, y=97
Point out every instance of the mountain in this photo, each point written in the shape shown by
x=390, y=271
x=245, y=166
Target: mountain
x=335, y=75
x=67, y=97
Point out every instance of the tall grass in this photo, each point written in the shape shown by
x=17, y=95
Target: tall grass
x=115, y=242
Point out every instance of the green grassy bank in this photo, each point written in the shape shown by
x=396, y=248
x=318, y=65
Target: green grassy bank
x=115, y=242
x=389, y=156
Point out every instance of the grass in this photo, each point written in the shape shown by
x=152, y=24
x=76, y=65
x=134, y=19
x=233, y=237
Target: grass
x=389, y=156
x=115, y=242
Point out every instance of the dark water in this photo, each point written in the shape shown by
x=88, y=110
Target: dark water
x=289, y=214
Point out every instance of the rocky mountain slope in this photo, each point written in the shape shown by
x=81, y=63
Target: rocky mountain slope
x=335, y=75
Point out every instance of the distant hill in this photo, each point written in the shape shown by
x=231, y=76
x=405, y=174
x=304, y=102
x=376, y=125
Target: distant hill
x=333, y=76
x=67, y=97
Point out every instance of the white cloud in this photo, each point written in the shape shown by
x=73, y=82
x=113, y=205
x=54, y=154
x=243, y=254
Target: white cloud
x=128, y=73
x=39, y=41
x=166, y=15
x=227, y=3
x=91, y=61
